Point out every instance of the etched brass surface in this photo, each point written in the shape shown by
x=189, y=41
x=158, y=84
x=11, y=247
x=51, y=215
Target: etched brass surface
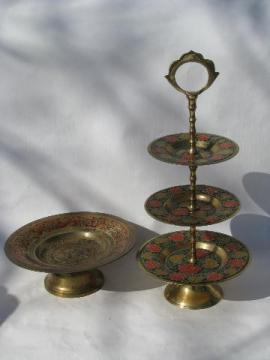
x=70, y=247
x=172, y=205
x=73, y=249
x=210, y=149
x=219, y=257
x=71, y=242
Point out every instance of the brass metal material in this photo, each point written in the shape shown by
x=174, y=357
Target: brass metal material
x=70, y=242
x=192, y=262
x=192, y=97
x=193, y=257
x=67, y=251
x=172, y=205
x=74, y=285
x=192, y=127
x=193, y=297
x=192, y=151
x=210, y=149
x=192, y=57
x=193, y=177
x=192, y=186
x=220, y=257
x=71, y=246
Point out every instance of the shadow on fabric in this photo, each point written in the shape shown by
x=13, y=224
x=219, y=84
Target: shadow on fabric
x=125, y=274
x=8, y=304
x=254, y=231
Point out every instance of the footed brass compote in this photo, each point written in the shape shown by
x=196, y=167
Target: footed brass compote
x=70, y=247
x=193, y=261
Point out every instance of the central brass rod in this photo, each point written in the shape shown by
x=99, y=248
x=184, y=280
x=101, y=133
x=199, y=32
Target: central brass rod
x=192, y=188
x=193, y=257
x=192, y=208
x=192, y=168
x=192, y=128
x=192, y=150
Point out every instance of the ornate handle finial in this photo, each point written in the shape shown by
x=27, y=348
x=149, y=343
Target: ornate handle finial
x=192, y=57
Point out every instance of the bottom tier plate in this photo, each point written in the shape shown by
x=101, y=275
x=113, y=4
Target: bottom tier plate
x=219, y=258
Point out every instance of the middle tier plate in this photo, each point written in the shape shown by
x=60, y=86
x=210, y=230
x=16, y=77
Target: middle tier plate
x=171, y=205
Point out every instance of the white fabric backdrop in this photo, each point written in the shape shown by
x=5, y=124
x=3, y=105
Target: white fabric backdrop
x=82, y=93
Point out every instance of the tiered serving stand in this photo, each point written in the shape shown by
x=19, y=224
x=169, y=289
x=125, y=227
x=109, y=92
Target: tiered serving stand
x=193, y=261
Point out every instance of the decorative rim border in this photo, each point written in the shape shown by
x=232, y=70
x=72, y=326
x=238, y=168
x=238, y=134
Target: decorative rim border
x=216, y=221
x=193, y=162
x=131, y=244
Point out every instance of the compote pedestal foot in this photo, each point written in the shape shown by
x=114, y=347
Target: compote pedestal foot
x=74, y=285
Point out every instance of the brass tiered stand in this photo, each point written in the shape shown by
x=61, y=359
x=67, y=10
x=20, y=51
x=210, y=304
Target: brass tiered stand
x=193, y=261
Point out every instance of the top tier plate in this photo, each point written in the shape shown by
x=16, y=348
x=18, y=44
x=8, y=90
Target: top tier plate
x=211, y=149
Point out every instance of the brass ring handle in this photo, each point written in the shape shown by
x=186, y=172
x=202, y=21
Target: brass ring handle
x=192, y=57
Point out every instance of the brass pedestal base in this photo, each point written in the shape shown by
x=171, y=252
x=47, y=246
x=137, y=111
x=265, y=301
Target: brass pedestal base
x=193, y=297
x=74, y=285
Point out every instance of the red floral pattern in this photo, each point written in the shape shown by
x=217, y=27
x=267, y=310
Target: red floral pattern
x=226, y=145
x=203, y=137
x=150, y=265
x=212, y=219
x=171, y=138
x=214, y=276
x=185, y=158
x=170, y=206
x=175, y=190
x=180, y=211
x=153, y=248
x=211, y=190
x=189, y=268
x=172, y=264
x=17, y=245
x=236, y=263
x=208, y=236
x=177, y=236
x=217, y=157
x=175, y=149
x=155, y=203
x=230, y=203
x=177, y=276
x=201, y=253
x=232, y=247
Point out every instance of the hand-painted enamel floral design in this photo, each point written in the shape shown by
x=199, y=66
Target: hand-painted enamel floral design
x=171, y=205
x=193, y=261
x=219, y=257
x=210, y=149
x=71, y=242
